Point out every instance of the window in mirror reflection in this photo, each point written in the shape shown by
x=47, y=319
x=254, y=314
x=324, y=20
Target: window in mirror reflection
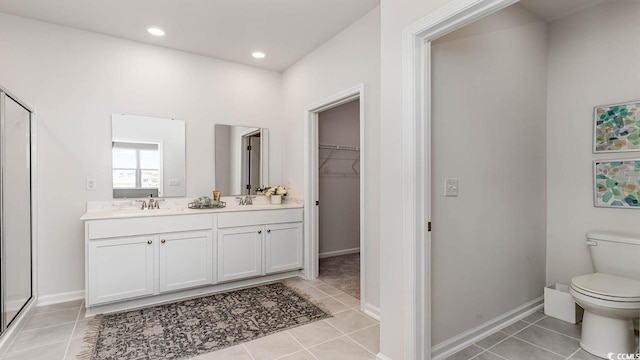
x=136, y=166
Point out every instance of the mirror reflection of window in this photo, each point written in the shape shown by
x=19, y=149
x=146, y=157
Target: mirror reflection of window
x=136, y=165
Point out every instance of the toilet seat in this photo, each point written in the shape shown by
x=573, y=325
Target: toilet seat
x=607, y=287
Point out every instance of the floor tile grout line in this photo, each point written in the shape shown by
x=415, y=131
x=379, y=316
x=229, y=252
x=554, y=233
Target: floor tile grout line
x=494, y=354
x=528, y=326
x=304, y=348
x=557, y=332
x=362, y=346
x=540, y=347
x=247, y=350
x=46, y=327
x=66, y=351
x=496, y=344
x=533, y=322
x=575, y=352
x=364, y=328
x=324, y=342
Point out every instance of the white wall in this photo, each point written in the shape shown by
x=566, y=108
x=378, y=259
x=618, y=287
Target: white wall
x=395, y=16
x=588, y=66
x=339, y=185
x=77, y=79
x=349, y=59
x=489, y=127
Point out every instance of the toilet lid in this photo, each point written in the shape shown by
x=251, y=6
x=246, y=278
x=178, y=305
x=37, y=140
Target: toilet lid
x=608, y=285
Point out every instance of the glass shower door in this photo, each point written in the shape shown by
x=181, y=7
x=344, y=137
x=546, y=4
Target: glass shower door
x=15, y=259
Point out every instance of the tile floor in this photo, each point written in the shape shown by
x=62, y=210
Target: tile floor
x=536, y=337
x=56, y=332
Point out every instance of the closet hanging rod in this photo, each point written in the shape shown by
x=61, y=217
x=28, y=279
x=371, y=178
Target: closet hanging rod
x=339, y=147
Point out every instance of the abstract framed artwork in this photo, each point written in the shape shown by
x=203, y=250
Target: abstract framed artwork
x=617, y=128
x=617, y=183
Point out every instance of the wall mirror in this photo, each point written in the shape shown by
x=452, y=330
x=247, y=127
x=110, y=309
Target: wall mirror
x=241, y=159
x=148, y=156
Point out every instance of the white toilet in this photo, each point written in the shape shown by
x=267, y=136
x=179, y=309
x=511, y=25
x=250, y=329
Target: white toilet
x=611, y=296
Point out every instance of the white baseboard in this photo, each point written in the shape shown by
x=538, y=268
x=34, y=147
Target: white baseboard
x=60, y=298
x=382, y=356
x=372, y=311
x=459, y=342
x=339, y=252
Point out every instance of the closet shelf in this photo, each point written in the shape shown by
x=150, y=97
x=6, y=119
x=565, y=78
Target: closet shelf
x=336, y=148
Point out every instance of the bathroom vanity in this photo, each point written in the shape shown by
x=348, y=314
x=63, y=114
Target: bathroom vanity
x=136, y=258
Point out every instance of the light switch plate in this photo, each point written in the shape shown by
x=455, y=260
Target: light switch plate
x=450, y=187
x=91, y=183
x=174, y=182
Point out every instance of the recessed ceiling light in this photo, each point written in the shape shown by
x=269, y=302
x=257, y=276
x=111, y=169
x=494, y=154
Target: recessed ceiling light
x=155, y=31
x=258, y=55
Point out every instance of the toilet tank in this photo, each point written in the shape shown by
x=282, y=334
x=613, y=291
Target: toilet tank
x=615, y=254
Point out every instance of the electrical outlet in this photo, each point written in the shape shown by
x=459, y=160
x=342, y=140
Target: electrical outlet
x=450, y=187
x=91, y=183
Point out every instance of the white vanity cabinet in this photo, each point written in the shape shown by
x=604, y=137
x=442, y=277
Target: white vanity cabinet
x=144, y=259
x=252, y=244
x=283, y=247
x=239, y=253
x=186, y=260
x=120, y=268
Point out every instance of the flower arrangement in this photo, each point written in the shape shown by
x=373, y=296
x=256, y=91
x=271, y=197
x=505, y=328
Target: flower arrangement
x=261, y=190
x=276, y=190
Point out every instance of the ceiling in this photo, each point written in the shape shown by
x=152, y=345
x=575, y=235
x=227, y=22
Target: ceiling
x=285, y=30
x=551, y=10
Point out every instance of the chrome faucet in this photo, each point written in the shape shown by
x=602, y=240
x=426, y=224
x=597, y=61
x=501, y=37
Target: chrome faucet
x=247, y=200
x=144, y=204
x=151, y=205
x=157, y=203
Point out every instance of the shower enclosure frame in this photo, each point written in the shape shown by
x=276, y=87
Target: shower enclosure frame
x=8, y=326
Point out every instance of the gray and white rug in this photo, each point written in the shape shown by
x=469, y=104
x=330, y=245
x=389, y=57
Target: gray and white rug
x=197, y=326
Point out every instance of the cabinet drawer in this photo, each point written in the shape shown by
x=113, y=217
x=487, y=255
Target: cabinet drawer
x=100, y=229
x=259, y=217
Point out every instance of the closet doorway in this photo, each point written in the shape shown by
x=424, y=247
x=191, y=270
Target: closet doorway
x=334, y=214
x=339, y=197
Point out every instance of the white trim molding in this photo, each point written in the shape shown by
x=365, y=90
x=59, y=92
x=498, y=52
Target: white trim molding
x=329, y=254
x=416, y=162
x=311, y=222
x=382, y=356
x=371, y=311
x=461, y=341
x=60, y=298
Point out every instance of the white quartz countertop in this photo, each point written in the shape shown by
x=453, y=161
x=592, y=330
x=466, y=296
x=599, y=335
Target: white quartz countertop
x=119, y=209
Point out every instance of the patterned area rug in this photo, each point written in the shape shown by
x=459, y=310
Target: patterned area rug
x=197, y=326
x=342, y=272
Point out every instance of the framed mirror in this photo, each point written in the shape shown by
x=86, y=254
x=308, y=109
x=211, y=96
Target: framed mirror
x=148, y=156
x=241, y=159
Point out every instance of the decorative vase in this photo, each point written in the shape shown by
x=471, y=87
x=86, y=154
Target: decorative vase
x=276, y=199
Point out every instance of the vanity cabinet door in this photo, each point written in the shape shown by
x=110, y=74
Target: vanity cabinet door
x=121, y=268
x=283, y=247
x=186, y=260
x=239, y=253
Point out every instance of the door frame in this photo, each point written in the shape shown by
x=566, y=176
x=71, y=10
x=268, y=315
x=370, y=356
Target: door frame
x=416, y=163
x=311, y=191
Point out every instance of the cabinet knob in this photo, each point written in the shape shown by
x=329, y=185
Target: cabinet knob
x=259, y=231
x=268, y=230
x=149, y=242
x=163, y=241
